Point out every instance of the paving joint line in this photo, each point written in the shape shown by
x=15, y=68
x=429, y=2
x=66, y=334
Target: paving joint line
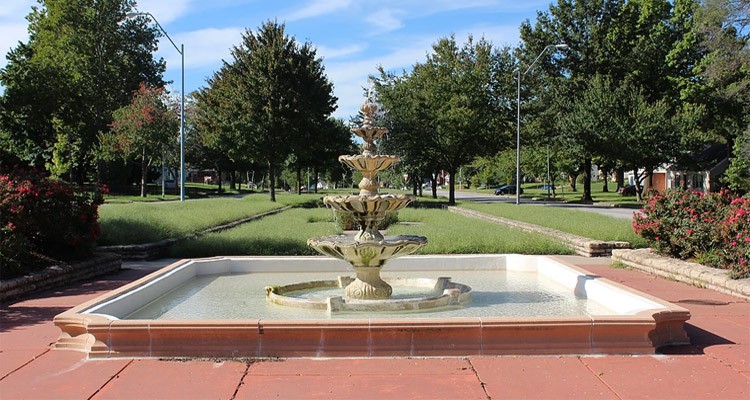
x=25, y=364
x=111, y=378
x=599, y=377
x=242, y=380
x=476, y=374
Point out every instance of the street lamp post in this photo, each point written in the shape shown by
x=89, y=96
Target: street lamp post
x=518, y=116
x=180, y=50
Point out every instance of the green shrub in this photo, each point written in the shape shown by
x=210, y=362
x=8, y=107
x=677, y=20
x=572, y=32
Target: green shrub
x=713, y=229
x=43, y=220
x=346, y=222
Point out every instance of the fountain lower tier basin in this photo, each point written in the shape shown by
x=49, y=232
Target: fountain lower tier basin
x=434, y=293
x=155, y=316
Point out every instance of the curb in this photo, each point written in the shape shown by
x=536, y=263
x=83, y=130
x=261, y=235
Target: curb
x=150, y=251
x=695, y=274
x=60, y=275
x=581, y=245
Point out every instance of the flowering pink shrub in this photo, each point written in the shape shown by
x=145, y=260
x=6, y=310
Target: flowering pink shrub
x=712, y=229
x=42, y=219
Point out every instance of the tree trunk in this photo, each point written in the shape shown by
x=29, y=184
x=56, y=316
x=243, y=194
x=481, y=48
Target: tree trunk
x=605, y=176
x=232, y=180
x=144, y=172
x=433, y=184
x=587, y=180
x=218, y=176
x=299, y=180
x=572, y=180
x=638, y=185
x=414, y=183
x=317, y=177
x=620, y=178
x=272, y=181
x=452, y=187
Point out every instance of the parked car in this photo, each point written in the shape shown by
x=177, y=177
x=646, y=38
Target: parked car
x=627, y=190
x=507, y=189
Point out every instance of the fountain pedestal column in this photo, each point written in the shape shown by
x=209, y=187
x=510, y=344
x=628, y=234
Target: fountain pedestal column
x=368, y=285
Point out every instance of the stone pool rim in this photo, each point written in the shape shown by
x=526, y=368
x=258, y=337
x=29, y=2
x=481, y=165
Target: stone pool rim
x=101, y=336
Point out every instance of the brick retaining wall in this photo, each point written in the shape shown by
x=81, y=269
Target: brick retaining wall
x=59, y=275
x=581, y=245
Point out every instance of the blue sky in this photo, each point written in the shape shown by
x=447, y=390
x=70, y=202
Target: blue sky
x=353, y=37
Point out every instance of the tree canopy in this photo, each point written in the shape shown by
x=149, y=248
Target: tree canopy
x=448, y=107
x=82, y=61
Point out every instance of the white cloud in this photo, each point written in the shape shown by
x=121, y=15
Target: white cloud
x=350, y=77
x=329, y=53
x=386, y=20
x=165, y=11
x=316, y=8
x=203, y=48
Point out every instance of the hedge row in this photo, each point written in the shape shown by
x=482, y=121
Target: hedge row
x=42, y=221
x=712, y=229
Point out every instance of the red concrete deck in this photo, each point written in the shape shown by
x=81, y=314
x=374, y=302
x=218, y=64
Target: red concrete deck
x=715, y=366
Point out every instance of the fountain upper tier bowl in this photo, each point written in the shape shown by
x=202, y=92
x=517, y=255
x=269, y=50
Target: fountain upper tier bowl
x=368, y=163
x=502, y=318
x=364, y=205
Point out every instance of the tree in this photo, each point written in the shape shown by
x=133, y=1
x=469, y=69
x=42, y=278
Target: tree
x=143, y=128
x=455, y=102
x=738, y=173
x=625, y=126
x=404, y=112
x=722, y=82
x=82, y=62
x=279, y=90
x=216, y=143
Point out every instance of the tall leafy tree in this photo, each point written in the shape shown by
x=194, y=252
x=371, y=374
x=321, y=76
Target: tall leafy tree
x=616, y=117
x=143, y=129
x=82, y=61
x=456, y=94
x=279, y=91
x=216, y=143
x=722, y=82
x=643, y=44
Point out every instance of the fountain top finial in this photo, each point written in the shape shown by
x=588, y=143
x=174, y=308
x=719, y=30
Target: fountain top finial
x=368, y=109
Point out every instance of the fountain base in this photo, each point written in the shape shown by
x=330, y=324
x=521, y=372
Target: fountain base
x=635, y=323
x=442, y=293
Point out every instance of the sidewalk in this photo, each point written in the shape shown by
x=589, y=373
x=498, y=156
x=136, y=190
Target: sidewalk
x=715, y=366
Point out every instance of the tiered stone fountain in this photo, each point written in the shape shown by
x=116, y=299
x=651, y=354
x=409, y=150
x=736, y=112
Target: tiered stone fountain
x=368, y=251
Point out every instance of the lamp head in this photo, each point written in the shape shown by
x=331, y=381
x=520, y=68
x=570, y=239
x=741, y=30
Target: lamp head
x=562, y=46
x=134, y=14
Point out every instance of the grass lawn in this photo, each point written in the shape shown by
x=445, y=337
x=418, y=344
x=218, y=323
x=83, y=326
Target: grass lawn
x=582, y=223
x=281, y=234
x=135, y=223
x=447, y=233
x=563, y=193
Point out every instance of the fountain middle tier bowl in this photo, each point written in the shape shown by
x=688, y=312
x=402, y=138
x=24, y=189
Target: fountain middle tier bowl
x=369, y=163
x=367, y=254
x=369, y=205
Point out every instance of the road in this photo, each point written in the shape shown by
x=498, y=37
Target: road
x=621, y=213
